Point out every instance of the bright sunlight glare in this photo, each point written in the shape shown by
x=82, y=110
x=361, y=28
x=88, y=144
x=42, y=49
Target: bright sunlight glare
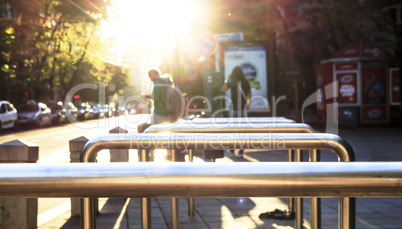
x=150, y=22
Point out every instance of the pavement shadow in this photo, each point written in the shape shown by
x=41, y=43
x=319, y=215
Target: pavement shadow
x=113, y=214
x=71, y=223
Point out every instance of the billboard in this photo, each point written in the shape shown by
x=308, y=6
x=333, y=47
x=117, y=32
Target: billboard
x=253, y=61
x=347, y=88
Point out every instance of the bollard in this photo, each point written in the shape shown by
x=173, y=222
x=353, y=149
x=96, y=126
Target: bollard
x=18, y=212
x=118, y=155
x=76, y=146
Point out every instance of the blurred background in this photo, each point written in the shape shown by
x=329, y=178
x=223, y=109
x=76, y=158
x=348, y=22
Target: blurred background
x=50, y=46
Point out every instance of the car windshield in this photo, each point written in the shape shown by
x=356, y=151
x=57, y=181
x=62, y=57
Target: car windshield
x=28, y=108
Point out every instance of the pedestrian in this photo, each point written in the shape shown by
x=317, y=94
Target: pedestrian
x=240, y=91
x=160, y=113
x=163, y=111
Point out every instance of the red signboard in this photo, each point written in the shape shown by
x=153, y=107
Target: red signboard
x=374, y=85
x=374, y=113
x=359, y=49
x=346, y=66
x=347, y=88
x=395, y=87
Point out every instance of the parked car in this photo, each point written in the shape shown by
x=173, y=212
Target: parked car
x=121, y=110
x=98, y=111
x=112, y=109
x=34, y=114
x=85, y=112
x=8, y=115
x=58, y=113
x=107, y=110
x=71, y=112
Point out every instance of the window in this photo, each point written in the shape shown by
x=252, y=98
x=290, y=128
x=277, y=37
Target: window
x=9, y=108
x=3, y=108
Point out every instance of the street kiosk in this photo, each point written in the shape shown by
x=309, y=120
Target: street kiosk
x=359, y=81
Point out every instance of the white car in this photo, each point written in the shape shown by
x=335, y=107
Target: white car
x=8, y=115
x=36, y=114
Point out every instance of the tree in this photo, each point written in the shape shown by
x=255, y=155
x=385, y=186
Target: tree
x=45, y=45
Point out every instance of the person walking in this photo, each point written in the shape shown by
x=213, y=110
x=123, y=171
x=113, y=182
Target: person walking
x=240, y=92
x=165, y=111
x=160, y=112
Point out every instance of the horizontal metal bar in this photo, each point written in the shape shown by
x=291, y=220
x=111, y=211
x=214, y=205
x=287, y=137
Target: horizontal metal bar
x=238, y=120
x=246, y=179
x=231, y=128
x=216, y=141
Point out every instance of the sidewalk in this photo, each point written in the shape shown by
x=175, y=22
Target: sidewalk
x=369, y=145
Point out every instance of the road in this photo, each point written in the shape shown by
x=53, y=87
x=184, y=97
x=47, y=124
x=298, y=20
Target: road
x=53, y=145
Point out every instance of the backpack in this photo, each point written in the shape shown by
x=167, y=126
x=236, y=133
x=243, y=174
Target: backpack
x=174, y=102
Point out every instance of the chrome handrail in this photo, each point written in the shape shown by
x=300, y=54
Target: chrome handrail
x=251, y=179
x=278, y=141
x=237, y=120
x=231, y=128
x=245, y=179
x=213, y=141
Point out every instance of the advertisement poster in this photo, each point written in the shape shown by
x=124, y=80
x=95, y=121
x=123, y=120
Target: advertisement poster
x=374, y=113
x=395, y=88
x=347, y=88
x=374, y=86
x=252, y=60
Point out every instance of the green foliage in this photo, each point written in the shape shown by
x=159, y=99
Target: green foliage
x=48, y=45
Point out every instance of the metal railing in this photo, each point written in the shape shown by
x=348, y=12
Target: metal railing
x=246, y=179
x=237, y=120
x=311, y=141
x=251, y=179
x=181, y=127
x=235, y=127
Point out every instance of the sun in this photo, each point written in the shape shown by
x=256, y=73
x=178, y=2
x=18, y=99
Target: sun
x=151, y=22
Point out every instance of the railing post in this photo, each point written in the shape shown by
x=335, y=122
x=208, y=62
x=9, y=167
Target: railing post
x=21, y=212
x=76, y=146
x=298, y=200
x=174, y=204
x=190, y=200
x=87, y=214
x=290, y=200
x=145, y=202
x=347, y=213
x=118, y=155
x=315, y=204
